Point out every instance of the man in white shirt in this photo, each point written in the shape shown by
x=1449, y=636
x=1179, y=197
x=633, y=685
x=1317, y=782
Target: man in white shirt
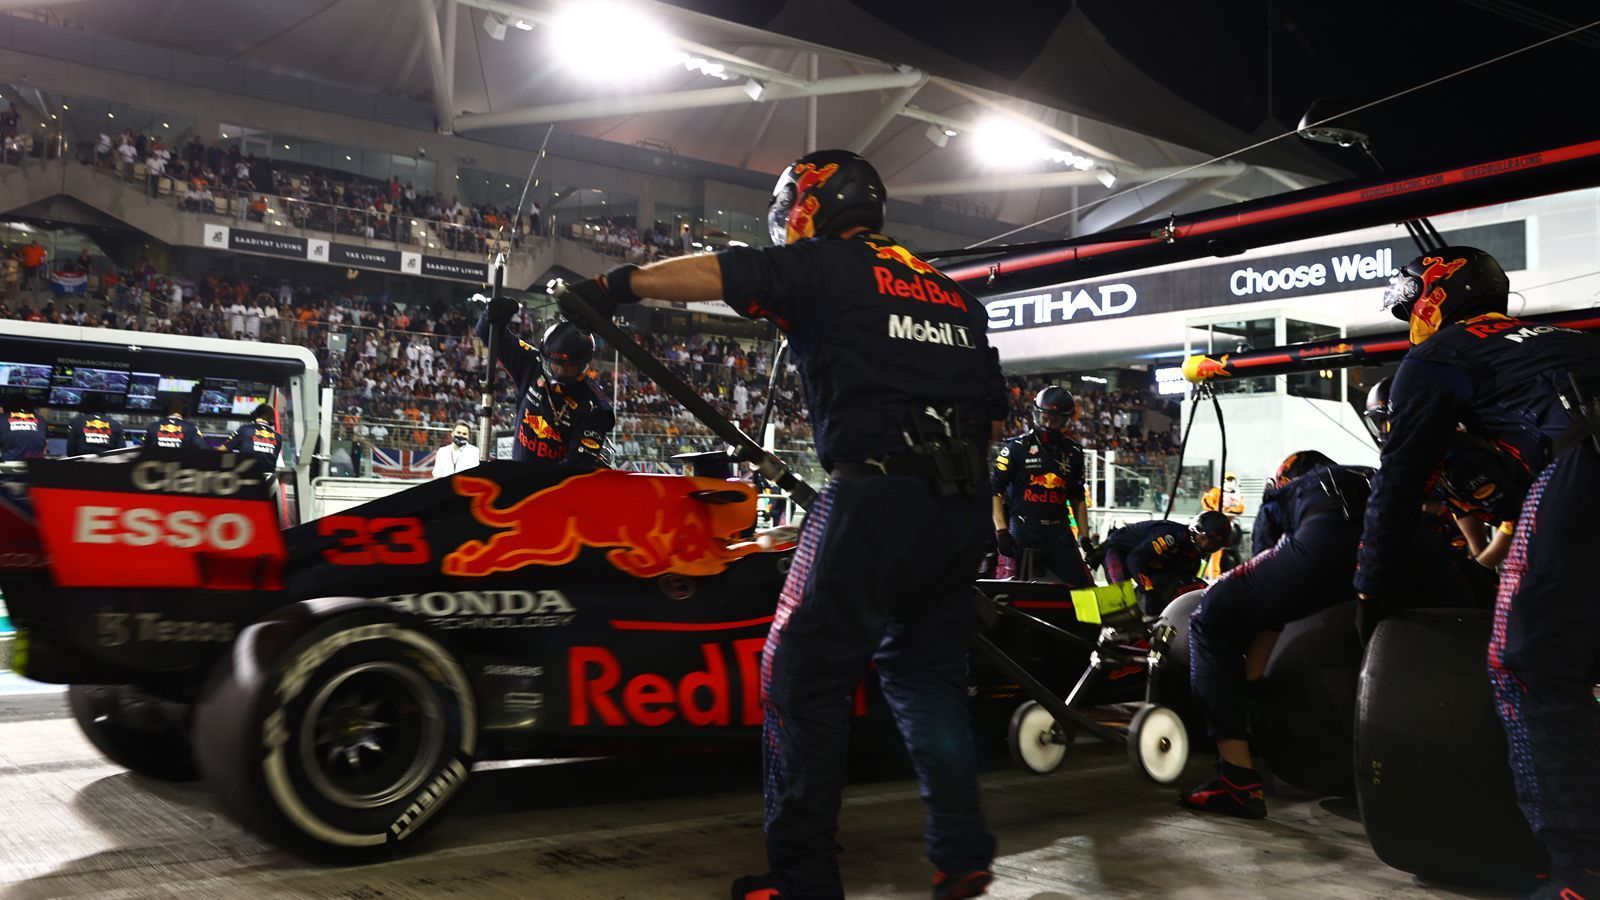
x=458, y=455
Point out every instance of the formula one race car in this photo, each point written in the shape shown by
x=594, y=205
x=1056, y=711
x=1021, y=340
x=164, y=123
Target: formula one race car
x=333, y=683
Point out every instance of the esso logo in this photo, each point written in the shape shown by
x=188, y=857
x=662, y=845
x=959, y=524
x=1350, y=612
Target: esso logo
x=146, y=527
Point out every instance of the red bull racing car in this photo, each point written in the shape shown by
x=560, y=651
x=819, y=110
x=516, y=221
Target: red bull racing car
x=334, y=682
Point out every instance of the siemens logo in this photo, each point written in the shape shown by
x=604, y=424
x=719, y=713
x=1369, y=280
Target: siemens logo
x=906, y=328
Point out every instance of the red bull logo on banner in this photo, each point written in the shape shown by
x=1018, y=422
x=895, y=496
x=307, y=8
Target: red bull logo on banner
x=649, y=525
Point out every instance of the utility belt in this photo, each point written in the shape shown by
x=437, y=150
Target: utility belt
x=936, y=451
x=1582, y=400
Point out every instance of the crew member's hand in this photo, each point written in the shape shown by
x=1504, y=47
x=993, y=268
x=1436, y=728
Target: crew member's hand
x=1369, y=612
x=593, y=292
x=1086, y=544
x=1006, y=543
x=501, y=309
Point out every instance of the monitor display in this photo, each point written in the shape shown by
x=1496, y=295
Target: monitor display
x=25, y=378
x=249, y=396
x=169, y=385
x=74, y=386
x=216, y=396
x=142, y=390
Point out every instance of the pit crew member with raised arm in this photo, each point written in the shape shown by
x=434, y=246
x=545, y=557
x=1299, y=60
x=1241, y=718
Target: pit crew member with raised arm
x=905, y=396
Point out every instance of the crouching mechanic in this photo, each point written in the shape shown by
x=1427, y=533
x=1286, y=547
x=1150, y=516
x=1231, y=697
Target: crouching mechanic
x=1317, y=511
x=1530, y=389
x=562, y=416
x=904, y=395
x=1038, y=479
x=1160, y=555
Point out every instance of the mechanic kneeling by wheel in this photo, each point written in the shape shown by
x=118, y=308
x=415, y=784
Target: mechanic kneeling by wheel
x=1319, y=512
x=1158, y=555
x=1038, y=479
x=1529, y=388
x=905, y=395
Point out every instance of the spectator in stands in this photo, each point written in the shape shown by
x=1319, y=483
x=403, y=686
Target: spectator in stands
x=32, y=256
x=127, y=155
x=103, y=152
x=155, y=166
x=458, y=455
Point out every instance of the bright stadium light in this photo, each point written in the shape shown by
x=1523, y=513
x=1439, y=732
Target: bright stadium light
x=1009, y=143
x=635, y=45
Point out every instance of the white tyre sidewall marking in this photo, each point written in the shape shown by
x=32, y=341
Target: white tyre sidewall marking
x=292, y=682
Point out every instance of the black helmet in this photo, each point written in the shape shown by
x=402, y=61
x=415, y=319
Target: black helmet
x=566, y=351
x=1053, y=400
x=1298, y=463
x=1446, y=285
x=1377, y=413
x=824, y=193
x=1212, y=524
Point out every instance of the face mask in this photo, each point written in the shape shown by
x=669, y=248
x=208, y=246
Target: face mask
x=460, y=441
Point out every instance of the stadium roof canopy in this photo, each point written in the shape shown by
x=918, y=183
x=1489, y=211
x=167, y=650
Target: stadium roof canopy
x=1017, y=110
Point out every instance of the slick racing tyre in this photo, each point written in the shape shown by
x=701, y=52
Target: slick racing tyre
x=1309, y=694
x=1038, y=742
x=1433, y=776
x=346, y=744
x=146, y=734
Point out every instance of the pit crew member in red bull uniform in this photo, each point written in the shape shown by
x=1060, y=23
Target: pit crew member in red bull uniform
x=1159, y=555
x=1526, y=388
x=92, y=431
x=562, y=416
x=258, y=439
x=904, y=396
x=1268, y=528
x=172, y=430
x=1038, y=479
x=22, y=434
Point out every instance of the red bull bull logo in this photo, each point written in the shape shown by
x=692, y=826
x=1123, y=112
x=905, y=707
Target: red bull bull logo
x=802, y=215
x=1427, y=313
x=1202, y=368
x=649, y=525
x=904, y=257
x=1047, y=480
x=540, y=427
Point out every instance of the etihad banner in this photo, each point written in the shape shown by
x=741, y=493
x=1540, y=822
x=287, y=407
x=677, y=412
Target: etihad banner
x=333, y=253
x=1329, y=270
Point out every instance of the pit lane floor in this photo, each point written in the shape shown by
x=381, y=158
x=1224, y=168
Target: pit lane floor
x=74, y=825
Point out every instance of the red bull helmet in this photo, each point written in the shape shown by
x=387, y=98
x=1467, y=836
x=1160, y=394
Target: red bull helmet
x=1211, y=530
x=1053, y=408
x=1444, y=286
x=1377, y=413
x=1298, y=463
x=566, y=351
x=824, y=193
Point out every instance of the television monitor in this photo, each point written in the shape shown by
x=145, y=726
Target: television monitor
x=248, y=396
x=142, y=390
x=26, y=379
x=216, y=396
x=87, y=386
x=170, y=385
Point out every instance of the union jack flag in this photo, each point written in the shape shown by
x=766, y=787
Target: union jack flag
x=409, y=465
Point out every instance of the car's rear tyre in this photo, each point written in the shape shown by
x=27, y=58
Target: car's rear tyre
x=347, y=743
x=143, y=733
x=1433, y=776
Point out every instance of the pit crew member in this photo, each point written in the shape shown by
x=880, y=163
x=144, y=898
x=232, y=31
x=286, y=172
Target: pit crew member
x=1037, y=479
x=92, y=431
x=904, y=395
x=172, y=430
x=23, y=436
x=1158, y=555
x=1269, y=517
x=562, y=416
x=259, y=439
x=1526, y=388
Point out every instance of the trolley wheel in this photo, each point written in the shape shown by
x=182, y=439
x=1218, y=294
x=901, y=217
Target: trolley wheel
x=1038, y=742
x=1158, y=744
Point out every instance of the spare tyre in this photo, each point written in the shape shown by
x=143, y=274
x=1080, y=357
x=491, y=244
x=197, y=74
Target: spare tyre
x=1308, y=694
x=1432, y=774
x=1172, y=683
